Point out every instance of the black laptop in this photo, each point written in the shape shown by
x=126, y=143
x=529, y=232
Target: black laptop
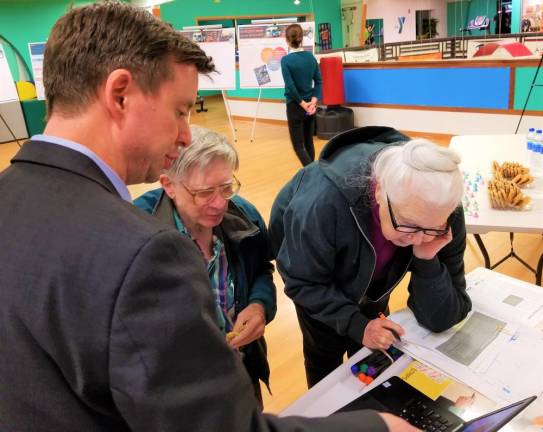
x=400, y=398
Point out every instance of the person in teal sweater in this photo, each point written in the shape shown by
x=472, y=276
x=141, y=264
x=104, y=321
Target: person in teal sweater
x=303, y=86
x=199, y=198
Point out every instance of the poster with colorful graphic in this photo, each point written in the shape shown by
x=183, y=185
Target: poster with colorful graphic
x=36, y=59
x=261, y=47
x=221, y=45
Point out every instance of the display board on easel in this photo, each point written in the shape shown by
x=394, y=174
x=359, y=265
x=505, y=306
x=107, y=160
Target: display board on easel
x=8, y=91
x=221, y=45
x=261, y=47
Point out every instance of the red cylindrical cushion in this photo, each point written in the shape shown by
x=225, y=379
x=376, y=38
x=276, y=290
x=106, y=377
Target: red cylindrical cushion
x=332, y=81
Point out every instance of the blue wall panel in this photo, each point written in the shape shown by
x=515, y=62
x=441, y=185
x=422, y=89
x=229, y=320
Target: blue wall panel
x=436, y=87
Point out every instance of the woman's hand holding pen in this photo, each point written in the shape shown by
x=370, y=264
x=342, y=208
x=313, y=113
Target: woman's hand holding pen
x=380, y=333
x=249, y=326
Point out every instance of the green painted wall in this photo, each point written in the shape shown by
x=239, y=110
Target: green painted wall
x=456, y=17
x=515, y=16
x=185, y=12
x=461, y=12
x=486, y=8
x=523, y=82
x=22, y=22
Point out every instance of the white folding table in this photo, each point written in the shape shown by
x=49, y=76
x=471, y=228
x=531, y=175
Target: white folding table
x=478, y=152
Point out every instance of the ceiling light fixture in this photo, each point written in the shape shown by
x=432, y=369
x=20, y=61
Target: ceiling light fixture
x=296, y=2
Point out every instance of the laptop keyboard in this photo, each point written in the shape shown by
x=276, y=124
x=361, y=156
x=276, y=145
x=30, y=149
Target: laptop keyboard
x=425, y=418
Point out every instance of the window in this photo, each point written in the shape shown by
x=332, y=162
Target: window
x=531, y=19
x=426, y=25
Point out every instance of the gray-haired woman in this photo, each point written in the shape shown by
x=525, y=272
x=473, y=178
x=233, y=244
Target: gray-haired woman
x=346, y=230
x=199, y=198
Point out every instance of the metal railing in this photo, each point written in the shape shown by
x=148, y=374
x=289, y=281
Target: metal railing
x=450, y=48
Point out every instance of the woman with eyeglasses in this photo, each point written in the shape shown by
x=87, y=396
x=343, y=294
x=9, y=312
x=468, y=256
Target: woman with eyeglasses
x=199, y=198
x=347, y=229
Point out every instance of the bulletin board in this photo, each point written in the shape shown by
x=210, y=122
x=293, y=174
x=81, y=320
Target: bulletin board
x=8, y=91
x=261, y=47
x=220, y=44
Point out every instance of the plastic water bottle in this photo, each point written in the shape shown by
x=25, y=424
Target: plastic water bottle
x=530, y=137
x=539, y=170
x=537, y=150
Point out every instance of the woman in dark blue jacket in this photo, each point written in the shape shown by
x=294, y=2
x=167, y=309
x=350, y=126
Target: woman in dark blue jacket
x=346, y=230
x=199, y=198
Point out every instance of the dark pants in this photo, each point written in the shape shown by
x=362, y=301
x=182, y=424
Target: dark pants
x=258, y=395
x=323, y=347
x=256, y=365
x=300, y=128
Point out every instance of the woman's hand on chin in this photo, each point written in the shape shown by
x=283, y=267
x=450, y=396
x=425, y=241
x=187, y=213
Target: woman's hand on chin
x=429, y=250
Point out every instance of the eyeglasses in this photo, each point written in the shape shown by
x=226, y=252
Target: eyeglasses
x=226, y=191
x=408, y=229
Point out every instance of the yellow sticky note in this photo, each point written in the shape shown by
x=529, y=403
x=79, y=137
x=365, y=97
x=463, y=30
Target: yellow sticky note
x=425, y=379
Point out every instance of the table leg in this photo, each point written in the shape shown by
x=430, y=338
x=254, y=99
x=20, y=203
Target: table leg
x=539, y=270
x=482, y=247
x=512, y=254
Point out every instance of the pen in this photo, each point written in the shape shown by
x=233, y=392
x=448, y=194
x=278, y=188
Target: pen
x=394, y=333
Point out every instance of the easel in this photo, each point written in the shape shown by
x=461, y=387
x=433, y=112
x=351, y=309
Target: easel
x=274, y=22
x=199, y=37
x=262, y=81
x=256, y=114
x=229, y=114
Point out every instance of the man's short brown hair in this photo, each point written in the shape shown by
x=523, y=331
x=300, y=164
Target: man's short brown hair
x=90, y=42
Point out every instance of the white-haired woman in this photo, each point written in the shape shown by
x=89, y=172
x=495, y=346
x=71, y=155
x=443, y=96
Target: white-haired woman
x=347, y=229
x=199, y=198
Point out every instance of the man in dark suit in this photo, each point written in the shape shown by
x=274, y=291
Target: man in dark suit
x=106, y=317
